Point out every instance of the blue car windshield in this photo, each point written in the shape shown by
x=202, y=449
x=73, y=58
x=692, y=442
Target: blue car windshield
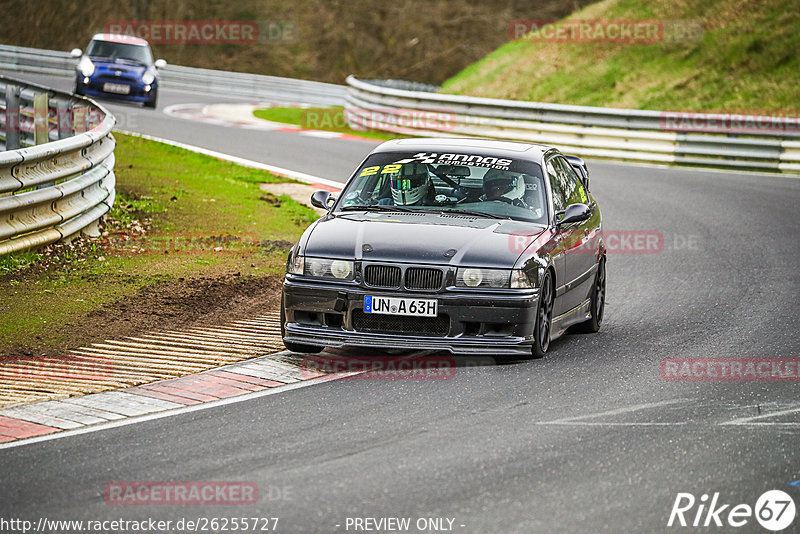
x=496, y=187
x=120, y=51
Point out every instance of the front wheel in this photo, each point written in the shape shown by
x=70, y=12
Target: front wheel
x=597, y=302
x=152, y=102
x=544, y=318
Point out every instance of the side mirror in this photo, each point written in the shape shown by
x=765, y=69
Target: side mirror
x=322, y=199
x=574, y=213
x=76, y=53
x=160, y=63
x=580, y=167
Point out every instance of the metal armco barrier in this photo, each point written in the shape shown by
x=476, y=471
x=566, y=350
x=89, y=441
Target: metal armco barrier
x=635, y=135
x=17, y=58
x=56, y=189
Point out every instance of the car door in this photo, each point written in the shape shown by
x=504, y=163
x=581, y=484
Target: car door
x=577, y=239
x=558, y=254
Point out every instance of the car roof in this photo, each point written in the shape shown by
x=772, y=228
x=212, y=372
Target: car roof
x=119, y=38
x=510, y=149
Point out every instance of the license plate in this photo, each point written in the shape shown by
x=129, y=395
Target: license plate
x=118, y=88
x=401, y=306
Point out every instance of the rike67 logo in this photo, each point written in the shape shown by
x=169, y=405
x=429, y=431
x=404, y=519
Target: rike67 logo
x=774, y=510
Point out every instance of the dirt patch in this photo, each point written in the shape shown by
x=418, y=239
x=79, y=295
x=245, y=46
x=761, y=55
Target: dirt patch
x=168, y=305
x=299, y=192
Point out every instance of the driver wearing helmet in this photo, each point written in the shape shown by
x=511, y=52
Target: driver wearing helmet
x=412, y=186
x=504, y=186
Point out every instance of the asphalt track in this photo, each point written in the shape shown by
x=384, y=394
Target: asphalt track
x=589, y=438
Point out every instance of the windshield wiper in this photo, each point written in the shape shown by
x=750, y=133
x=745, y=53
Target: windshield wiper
x=382, y=207
x=474, y=213
x=379, y=207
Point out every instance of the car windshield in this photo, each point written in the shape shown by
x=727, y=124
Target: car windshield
x=479, y=184
x=120, y=51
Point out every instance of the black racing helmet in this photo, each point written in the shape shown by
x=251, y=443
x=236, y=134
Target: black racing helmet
x=498, y=183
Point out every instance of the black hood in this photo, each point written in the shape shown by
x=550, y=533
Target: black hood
x=420, y=238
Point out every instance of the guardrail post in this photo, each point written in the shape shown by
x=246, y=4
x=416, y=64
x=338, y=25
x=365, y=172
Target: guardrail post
x=79, y=119
x=41, y=126
x=41, y=129
x=12, y=117
x=63, y=119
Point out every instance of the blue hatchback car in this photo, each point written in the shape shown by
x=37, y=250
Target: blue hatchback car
x=118, y=66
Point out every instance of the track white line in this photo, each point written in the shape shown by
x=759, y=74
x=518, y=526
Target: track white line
x=603, y=423
x=617, y=411
x=749, y=420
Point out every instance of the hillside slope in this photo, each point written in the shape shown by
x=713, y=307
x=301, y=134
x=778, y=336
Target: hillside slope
x=744, y=59
x=325, y=40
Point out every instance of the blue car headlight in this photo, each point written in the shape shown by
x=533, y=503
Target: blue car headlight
x=85, y=66
x=149, y=76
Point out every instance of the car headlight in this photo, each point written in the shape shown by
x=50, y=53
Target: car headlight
x=149, y=76
x=295, y=263
x=520, y=280
x=325, y=268
x=494, y=278
x=85, y=66
x=320, y=267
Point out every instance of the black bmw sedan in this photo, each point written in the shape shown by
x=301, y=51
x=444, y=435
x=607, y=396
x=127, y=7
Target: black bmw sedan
x=466, y=245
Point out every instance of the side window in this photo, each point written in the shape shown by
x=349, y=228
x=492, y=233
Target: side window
x=556, y=185
x=577, y=193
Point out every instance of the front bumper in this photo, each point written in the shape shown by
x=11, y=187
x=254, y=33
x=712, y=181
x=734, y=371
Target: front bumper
x=137, y=90
x=330, y=314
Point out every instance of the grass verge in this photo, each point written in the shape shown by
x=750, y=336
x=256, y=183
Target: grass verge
x=326, y=119
x=743, y=59
x=184, y=227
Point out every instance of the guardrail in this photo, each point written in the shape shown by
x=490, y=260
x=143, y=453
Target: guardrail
x=57, y=167
x=274, y=88
x=637, y=135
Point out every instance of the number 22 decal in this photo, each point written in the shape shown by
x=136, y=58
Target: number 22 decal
x=388, y=169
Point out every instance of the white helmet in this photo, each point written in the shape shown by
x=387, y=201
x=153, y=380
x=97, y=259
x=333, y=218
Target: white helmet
x=499, y=184
x=411, y=184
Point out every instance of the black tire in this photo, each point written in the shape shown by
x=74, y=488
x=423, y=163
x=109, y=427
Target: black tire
x=77, y=90
x=296, y=347
x=544, y=318
x=150, y=103
x=597, y=303
x=283, y=318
